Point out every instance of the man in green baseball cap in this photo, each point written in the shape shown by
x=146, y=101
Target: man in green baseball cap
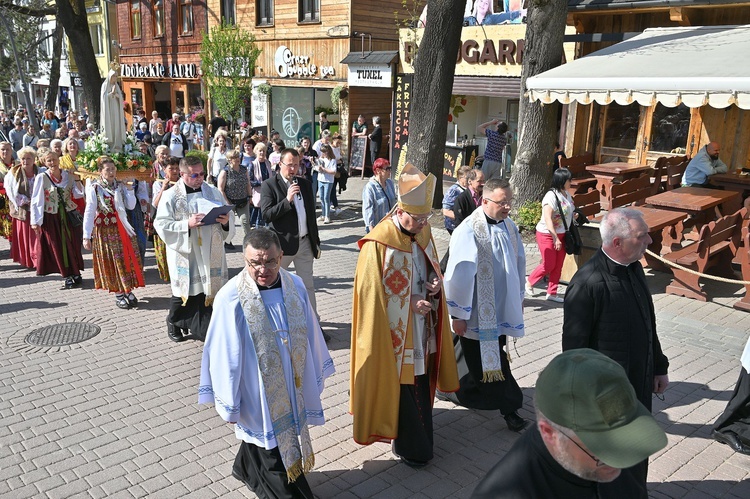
x=590, y=426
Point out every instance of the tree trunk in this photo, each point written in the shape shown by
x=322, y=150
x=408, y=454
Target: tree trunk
x=532, y=170
x=434, y=68
x=54, y=73
x=72, y=15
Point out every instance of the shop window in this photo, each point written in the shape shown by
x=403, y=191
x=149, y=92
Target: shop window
x=669, y=128
x=96, y=38
x=621, y=128
x=292, y=113
x=158, y=11
x=135, y=19
x=228, y=12
x=264, y=12
x=309, y=11
x=186, y=17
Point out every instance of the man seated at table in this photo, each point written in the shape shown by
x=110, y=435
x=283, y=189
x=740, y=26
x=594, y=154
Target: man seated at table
x=703, y=165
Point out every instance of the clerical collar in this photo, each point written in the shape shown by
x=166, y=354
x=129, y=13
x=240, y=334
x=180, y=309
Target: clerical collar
x=613, y=260
x=275, y=285
x=492, y=221
x=412, y=235
x=190, y=190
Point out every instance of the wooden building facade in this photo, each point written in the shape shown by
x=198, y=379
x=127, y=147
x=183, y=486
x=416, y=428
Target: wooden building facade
x=303, y=45
x=640, y=134
x=160, y=55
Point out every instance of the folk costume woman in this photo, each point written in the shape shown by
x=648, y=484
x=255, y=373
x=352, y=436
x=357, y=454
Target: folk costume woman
x=68, y=162
x=6, y=162
x=57, y=223
x=118, y=267
x=19, y=183
x=160, y=186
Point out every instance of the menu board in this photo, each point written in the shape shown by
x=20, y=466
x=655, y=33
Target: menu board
x=358, y=153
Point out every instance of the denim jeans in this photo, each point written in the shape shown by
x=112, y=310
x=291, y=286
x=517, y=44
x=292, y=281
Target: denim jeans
x=324, y=190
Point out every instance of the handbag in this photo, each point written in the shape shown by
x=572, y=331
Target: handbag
x=239, y=203
x=75, y=219
x=572, y=237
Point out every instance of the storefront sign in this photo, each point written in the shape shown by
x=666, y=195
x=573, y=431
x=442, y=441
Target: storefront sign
x=370, y=75
x=259, y=104
x=289, y=65
x=75, y=78
x=400, y=122
x=484, y=50
x=175, y=71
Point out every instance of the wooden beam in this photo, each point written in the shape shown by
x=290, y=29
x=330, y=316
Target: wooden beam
x=680, y=15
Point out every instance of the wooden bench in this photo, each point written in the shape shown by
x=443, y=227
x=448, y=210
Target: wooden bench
x=633, y=191
x=589, y=203
x=715, y=248
x=581, y=180
x=660, y=175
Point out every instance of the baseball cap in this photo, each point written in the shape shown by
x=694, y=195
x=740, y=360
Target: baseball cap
x=590, y=393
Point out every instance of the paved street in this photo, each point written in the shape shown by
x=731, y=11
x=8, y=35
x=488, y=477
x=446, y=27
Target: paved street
x=117, y=415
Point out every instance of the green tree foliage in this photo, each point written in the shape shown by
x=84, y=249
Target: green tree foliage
x=30, y=40
x=228, y=55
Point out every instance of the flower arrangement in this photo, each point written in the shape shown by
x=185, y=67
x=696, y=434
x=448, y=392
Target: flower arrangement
x=130, y=160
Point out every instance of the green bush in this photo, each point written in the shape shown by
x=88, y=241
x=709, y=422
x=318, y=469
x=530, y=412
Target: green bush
x=528, y=216
x=203, y=155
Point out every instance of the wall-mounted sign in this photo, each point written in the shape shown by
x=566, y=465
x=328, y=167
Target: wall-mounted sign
x=159, y=71
x=370, y=75
x=483, y=51
x=289, y=65
x=76, y=80
x=259, y=104
x=400, y=121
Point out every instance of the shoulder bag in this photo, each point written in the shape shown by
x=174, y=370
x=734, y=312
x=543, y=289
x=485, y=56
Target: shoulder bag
x=572, y=237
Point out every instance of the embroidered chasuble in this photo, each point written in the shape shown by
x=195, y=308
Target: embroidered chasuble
x=195, y=257
x=389, y=341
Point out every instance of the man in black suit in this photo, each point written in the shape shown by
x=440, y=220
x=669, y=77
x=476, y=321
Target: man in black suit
x=467, y=201
x=288, y=207
x=376, y=139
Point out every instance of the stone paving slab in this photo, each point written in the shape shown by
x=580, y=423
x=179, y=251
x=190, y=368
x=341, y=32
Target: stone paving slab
x=116, y=416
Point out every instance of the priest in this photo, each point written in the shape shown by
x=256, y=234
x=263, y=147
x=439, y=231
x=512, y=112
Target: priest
x=264, y=366
x=195, y=251
x=401, y=350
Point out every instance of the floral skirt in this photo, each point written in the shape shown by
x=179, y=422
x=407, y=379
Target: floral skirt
x=160, y=252
x=117, y=261
x=6, y=222
x=58, y=253
x=23, y=243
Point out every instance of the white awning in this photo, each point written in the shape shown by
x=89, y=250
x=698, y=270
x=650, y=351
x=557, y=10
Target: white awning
x=694, y=66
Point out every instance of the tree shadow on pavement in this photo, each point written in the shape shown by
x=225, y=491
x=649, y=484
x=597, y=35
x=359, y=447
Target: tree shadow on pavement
x=29, y=305
x=328, y=283
x=699, y=488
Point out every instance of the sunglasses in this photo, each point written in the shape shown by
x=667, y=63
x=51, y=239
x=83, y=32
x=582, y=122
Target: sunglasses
x=195, y=175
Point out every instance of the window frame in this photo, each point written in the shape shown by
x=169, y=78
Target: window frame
x=223, y=6
x=154, y=4
x=182, y=4
x=135, y=6
x=309, y=8
x=98, y=47
x=269, y=20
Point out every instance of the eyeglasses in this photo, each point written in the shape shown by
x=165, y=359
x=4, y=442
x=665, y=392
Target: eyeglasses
x=598, y=462
x=419, y=220
x=268, y=264
x=388, y=168
x=507, y=204
x=195, y=175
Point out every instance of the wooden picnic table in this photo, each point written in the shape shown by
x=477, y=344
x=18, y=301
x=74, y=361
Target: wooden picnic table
x=731, y=181
x=697, y=201
x=608, y=173
x=665, y=228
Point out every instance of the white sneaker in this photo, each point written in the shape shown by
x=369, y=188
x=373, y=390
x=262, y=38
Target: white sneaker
x=555, y=298
x=529, y=289
x=320, y=219
x=326, y=220
x=337, y=211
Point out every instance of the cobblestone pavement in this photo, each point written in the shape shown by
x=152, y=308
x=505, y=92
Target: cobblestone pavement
x=117, y=415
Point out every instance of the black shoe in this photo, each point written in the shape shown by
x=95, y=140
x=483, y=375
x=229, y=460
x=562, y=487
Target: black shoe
x=732, y=440
x=77, y=280
x=132, y=299
x=411, y=462
x=174, y=332
x=515, y=422
x=69, y=283
x=122, y=303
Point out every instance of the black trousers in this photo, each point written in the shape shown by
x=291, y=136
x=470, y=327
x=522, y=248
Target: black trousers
x=194, y=316
x=736, y=416
x=415, y=436
x=263, y=472
x=505, y=396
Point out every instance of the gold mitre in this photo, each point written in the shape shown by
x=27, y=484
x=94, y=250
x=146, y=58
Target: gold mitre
x=415, y=190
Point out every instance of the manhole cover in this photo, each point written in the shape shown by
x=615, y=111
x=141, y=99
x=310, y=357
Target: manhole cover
x=62, y=334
